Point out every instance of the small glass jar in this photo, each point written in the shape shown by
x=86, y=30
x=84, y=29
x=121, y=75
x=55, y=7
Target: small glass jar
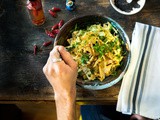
x=36, y=12
x=70, y=5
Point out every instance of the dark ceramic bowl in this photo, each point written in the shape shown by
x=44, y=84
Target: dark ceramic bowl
x=82, y=22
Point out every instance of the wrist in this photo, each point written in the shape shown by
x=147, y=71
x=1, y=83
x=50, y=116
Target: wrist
x=65, y=105
x=68, y=96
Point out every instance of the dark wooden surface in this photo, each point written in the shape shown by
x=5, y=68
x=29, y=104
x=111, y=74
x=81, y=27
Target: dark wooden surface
x=21, y=76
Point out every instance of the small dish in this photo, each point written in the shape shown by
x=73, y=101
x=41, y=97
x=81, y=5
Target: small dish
x=127, y=8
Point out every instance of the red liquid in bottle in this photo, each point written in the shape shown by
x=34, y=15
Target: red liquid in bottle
x=36, y=12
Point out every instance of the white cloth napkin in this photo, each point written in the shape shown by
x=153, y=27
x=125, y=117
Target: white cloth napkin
x=140, y=89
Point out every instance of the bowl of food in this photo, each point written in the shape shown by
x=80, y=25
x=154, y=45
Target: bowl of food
x=128, y=7
x=101, y=48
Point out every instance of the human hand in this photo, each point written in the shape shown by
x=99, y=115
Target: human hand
x=138, y=117
x=62, y=75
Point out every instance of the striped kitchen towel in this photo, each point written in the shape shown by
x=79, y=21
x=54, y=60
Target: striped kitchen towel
x=140, y=89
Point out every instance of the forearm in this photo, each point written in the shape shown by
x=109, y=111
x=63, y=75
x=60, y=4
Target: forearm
x=65, y=106
x=62, y=76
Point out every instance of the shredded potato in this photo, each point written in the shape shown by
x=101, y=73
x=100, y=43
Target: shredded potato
x=98, y=51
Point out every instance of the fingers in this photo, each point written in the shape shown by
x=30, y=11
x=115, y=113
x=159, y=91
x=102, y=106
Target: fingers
x=55, y=63
x=138, y=117
x=55, y=53
x=57, y=71
x=53, y=58
x=67, y=57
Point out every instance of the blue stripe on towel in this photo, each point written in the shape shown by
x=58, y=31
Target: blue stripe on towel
x=142, y=42
x=145, y=68
x=140, y=71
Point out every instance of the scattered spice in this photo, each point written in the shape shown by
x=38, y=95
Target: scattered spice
x=54, y=26
x=56, y=9
x=60, y=24
x=55, y=31
x=45, y=44
x=49, y=33
x=125, y=6
x=52, y=13
x=35, y=49
x=52, y=31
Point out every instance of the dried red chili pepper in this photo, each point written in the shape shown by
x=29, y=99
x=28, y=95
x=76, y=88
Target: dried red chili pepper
x=35, y=49
x=60, y=24
x=56, y=9
x=54, y=27
x=52, y=13
x=47, y=43
x=55, y=31
x=49, y=33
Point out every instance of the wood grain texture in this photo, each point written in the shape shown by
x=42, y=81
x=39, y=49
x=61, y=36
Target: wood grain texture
x=21, y=76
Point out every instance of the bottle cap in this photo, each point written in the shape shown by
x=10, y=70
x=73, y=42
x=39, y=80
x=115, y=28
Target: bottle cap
x=70, y=5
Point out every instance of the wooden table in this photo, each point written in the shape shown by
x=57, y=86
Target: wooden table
x=21, y=76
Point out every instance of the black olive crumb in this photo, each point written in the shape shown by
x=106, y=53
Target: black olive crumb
x=125, y=6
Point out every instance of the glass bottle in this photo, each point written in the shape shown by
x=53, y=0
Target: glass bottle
x=36, y=12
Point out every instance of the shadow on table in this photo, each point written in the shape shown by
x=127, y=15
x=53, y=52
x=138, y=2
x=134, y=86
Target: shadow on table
x=10, y=112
